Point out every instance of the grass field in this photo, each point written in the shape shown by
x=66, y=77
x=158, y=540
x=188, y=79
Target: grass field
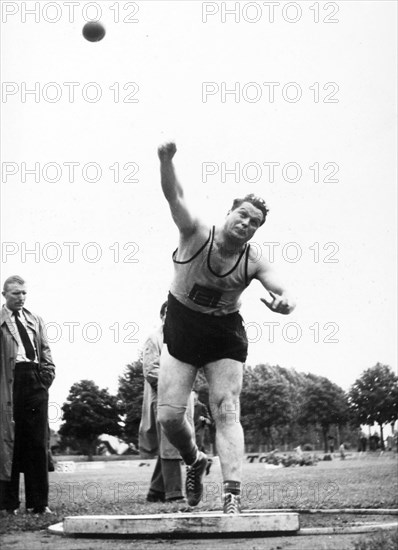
x=120, y=488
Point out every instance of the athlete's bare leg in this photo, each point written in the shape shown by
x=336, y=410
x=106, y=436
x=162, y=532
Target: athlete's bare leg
x=174, y=388
x=225, y=384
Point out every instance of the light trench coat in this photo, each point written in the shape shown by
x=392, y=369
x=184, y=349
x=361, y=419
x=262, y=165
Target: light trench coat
x=152, y=441
x=46, y=372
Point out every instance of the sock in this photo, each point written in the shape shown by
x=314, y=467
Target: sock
x=231, y=487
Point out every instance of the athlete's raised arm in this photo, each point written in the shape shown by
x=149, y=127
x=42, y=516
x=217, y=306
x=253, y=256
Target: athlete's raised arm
x=173, y=191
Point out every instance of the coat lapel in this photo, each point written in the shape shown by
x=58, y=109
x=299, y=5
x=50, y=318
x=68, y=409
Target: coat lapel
x=5, y=318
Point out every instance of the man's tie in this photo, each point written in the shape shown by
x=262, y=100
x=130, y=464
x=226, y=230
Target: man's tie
x=23, y=333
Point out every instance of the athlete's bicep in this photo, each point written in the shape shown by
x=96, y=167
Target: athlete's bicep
x=182, y=215
x=268, y=277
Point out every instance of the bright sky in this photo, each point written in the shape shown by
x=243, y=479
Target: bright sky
x=327, y=122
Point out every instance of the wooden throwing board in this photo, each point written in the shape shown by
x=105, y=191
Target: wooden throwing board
x=182, y=524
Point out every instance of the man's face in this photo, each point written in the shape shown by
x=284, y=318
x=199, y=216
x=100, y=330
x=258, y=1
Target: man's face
x=15, y=296
x=243, y=222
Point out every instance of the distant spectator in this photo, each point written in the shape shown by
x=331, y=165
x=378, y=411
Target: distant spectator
x=299, y=451
x=363, y=443
x=342, y=451
x=201, y=420
x=374, y=442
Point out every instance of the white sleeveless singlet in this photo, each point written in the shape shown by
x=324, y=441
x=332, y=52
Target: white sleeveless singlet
x=198, y=287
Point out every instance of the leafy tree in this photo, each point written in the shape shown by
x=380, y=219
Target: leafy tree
x=130, y=394
x=323, y=404
x=293, y=431
x=374, y=397
x=87, y=413
x=265, y=402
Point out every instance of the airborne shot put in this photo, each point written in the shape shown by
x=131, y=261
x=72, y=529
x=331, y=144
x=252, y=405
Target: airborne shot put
x=203, y=328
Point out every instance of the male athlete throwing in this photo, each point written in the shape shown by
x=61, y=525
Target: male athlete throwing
x=203, y=328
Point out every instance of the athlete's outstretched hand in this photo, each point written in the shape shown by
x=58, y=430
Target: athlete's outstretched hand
x=167, y=151
x=279, y=304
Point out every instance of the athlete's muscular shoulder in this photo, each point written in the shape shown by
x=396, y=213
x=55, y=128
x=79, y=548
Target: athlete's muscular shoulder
x=198, y=234
x=256, y=264
x=190, y=243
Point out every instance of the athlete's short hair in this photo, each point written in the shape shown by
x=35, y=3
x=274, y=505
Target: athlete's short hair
x=256, y=201
x=11, y=280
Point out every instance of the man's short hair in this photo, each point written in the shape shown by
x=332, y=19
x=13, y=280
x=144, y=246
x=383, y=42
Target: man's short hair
x=11, y=280
x=163, y=308
x=258, y=202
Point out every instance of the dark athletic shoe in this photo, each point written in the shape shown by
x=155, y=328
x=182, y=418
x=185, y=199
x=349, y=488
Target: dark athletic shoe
x=231, y=504
x=193, y=482
x=153, y=496
x=42, y=510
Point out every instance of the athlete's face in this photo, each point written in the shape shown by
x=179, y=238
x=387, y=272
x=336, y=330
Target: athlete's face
x=243, y=222
x=15, y=295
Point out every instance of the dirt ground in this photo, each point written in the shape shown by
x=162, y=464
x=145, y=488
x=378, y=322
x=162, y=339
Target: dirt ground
x=42, y=540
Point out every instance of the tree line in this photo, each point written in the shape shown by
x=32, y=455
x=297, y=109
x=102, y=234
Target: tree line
x=280, y=408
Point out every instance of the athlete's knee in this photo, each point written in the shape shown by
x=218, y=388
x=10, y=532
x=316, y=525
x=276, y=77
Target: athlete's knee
x=171, y=417
x=225, y=410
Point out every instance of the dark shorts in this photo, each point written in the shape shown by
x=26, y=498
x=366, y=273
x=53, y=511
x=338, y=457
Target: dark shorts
x=198, y=338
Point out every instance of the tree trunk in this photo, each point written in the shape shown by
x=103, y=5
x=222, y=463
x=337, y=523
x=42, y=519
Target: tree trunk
x=381, y=438
x=91, y=450
x=271, y=439
x=338, y=436
x=325, y=439
x=260, y=440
